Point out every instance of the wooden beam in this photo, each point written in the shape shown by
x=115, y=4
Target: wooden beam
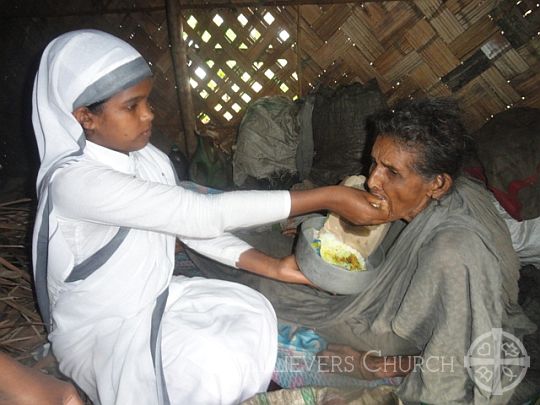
x=181, y=75
x=79, y=13
x=180, y=5
x=212, y=4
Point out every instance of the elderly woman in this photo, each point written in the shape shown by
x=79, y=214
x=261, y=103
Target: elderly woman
x=448, y=279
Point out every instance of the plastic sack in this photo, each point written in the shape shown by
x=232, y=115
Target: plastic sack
x=267, y=143
x=339, y=133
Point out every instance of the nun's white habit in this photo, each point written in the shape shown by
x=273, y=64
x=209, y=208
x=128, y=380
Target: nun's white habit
x=121, y=326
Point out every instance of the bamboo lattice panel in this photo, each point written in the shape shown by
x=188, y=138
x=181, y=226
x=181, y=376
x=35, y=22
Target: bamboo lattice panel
x=237, y=57
x=486, y=53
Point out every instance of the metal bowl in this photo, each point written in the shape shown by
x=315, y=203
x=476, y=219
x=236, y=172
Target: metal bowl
x=326, y=276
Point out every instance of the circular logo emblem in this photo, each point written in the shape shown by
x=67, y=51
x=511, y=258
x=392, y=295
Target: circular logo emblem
x=497, y=361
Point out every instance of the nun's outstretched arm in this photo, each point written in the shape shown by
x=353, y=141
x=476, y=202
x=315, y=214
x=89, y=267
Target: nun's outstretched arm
x=357, y=206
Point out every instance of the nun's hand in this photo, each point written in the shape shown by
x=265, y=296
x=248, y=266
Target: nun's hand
x=361, y=207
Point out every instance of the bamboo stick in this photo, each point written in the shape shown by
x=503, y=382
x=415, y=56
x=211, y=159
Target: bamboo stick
x=10, y=266
x=12, y=325
x=9, y=342
x=181, y=75
x=22, y=200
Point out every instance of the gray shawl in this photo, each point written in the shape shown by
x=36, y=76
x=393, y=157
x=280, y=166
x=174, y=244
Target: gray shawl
x=449, y=277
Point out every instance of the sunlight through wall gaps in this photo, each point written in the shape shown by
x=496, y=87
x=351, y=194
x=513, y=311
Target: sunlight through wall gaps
x=217, y=20
x=230, y=34
x=269, y=18
x=256, y=86
x=206, y=36
x=192, y=22
x=201, y=74
x=242, y=20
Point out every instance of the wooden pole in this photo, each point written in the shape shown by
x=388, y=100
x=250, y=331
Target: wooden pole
x=298, y=54
x=181, y=75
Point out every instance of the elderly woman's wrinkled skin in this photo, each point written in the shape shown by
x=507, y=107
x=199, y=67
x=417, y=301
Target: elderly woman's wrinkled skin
x=393, y=178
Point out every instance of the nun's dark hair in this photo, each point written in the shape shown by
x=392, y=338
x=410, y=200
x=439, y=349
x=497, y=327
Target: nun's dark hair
x=97, y=107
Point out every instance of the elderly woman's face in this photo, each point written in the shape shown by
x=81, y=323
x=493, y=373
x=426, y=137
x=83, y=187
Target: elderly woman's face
x=392, y=177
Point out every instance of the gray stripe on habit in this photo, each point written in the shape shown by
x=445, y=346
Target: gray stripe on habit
x=98, y=259
x=42, y=244
x=155, y=347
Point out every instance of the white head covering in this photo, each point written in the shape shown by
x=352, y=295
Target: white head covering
x=77, y=69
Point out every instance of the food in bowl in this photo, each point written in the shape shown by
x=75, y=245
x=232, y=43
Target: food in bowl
x=335, y=252
x=330, y=277
x=363, y=238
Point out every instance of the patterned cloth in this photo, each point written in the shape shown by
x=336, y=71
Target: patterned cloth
x=298, y=365
x=382, y=395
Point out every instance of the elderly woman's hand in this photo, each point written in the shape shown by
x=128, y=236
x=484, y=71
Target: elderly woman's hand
x=364, y=365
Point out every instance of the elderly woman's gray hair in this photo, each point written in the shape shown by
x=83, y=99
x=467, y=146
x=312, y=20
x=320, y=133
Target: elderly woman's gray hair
x=430, y=127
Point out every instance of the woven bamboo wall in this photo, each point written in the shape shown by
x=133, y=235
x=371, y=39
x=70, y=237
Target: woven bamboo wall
x=484, y=53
